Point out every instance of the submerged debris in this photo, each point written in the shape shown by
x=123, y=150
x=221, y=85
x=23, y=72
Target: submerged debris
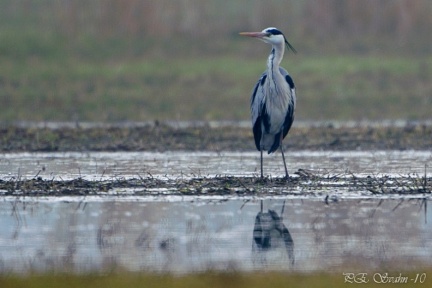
x=306, y=184
x=163, y=137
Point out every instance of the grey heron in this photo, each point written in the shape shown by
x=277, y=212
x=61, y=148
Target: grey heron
x=273, y=100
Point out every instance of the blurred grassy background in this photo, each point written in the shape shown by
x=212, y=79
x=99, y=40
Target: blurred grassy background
x=112, y=60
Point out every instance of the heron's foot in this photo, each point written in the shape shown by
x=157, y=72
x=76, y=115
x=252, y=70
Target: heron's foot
x=262, y=179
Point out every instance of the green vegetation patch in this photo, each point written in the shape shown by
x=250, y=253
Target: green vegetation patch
x=210, y=88
x=213, y=279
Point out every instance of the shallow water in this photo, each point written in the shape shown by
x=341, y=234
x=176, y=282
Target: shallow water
x=112, y=165
x=186, y=236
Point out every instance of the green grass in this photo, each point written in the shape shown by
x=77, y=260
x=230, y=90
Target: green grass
x=210, y=88
x=77, y=61
x=225, y=280
x=43, y=77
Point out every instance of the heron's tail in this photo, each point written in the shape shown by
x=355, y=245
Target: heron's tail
x=276, y=143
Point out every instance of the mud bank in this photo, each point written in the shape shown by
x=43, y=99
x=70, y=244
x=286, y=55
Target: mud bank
x=205, y=137
x=303, y=183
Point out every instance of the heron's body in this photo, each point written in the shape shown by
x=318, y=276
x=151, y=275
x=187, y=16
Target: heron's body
x=273, y=99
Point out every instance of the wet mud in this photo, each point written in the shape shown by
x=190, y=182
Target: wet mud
x=161, y=137
x=303, y=183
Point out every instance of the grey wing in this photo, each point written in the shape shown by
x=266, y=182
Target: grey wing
x=257, y=104
x=289, y=118
x=257, y=98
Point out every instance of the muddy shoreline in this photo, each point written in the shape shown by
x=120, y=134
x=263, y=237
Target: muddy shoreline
x=303, y=183
x=162, y=137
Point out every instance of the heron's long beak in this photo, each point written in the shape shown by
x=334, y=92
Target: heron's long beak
x=253, y=34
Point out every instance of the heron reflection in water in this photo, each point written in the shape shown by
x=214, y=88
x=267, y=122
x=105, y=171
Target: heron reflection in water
x=271, y=238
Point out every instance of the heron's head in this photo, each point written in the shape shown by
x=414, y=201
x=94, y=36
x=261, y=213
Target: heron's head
x=271, y=36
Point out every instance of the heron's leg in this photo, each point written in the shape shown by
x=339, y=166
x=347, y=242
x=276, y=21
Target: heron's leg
x=262, y=174
x=283, y=158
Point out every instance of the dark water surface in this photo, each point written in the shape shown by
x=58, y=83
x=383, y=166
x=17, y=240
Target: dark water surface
x=200, y=234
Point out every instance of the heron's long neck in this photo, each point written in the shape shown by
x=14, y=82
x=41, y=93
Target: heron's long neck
x=274, y=59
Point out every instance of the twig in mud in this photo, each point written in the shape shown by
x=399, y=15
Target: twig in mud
x=244, y=186
x=103, y=174
x=401, y=186
x=140, y=177
x=425, y=182
x=37, y=174
x=365, y=185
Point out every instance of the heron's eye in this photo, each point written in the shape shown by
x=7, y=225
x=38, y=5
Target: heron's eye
x=269, y=34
